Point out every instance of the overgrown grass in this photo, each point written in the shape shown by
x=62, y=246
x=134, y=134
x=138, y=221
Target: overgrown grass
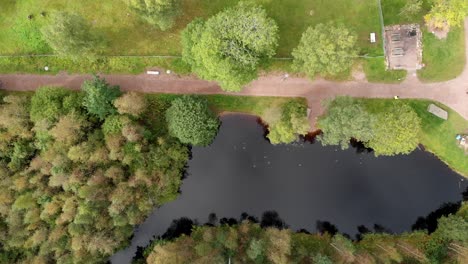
x=437, y=135
x=444, y=59
x=376, y=72
x=127, y=34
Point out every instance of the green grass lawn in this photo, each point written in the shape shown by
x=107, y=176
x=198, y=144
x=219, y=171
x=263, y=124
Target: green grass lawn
x=376, y=72
x=129, y=35
x=437, y=136
x=444, y=59
x=392, y=12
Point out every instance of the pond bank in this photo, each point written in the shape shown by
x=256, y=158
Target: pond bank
x=304, y=183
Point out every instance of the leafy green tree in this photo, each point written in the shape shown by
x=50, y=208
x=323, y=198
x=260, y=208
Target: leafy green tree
x=453, y=228
x=293, y=123
x=229, y=47
x=14, y=116
x=49, y=103
x=325, y=49
x=256, y=250
x=395, y=131
x=446, y=14
x=411, y=8
x=161, y=13
x=131, y=103
x=69, y=34
x=191, y=121
x=345, y=119
x=99, y=97
x=322, y=259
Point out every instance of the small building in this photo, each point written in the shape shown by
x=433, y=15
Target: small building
x=437, y=111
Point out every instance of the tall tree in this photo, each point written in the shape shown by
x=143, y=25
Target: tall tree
x=325, y=49
x=161, y=13
x=293, y=122
x=99, y=97
x=131, y=103
x=191, y=121
x=229, y=47
x=395, y=131
x=345, y=119
x=446, y=14
x=69, y=34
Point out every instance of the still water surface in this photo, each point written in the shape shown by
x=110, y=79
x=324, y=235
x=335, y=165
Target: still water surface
x=242, y=172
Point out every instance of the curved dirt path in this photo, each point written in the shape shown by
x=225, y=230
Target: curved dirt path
x=453, y=93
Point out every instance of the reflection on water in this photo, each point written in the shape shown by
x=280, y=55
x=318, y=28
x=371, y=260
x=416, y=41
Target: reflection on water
x=303, y=185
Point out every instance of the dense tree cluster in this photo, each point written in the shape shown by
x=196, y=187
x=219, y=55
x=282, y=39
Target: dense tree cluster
x=161, y=13
x=392, y=131
x=446, y=14
x=292, y=123
x=248, y=242
x=78, y=170
x=325, y=49
x=69, y=34
x=229, y=46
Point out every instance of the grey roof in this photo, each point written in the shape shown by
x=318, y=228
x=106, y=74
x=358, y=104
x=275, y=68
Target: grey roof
x=437, y=111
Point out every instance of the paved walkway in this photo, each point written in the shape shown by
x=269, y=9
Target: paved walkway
x=453, y=93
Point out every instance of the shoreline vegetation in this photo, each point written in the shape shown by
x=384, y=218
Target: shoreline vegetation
x=436, y=238
x=436, y=136
x=75, y=164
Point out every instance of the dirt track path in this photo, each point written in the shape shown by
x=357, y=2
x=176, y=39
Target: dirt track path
x=453, y=93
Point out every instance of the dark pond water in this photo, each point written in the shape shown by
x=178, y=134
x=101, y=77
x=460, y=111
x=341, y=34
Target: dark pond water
x=242, y=172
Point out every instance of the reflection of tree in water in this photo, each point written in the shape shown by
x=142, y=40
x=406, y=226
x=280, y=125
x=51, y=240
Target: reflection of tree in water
x=272, y=219
x=465, y=194
x=429, y=222
x=359, y=146
x=326, y=227
x=178, y=227
x=378, y=229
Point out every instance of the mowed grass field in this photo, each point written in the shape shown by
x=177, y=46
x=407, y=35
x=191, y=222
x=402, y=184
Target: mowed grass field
x=127, y=34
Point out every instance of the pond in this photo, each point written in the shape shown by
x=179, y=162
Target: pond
x=304, y=183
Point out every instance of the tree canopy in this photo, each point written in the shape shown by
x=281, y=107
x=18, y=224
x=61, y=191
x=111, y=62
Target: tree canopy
x=191, y=121
x=250, y=242
x=69, y=34
x=72, y=187
x=293, y=122
x=345, y=119
x=325, y=49
x=395, y=131
x=161, y=13
x=229, y=47
x=446, y=14
x=99, y=97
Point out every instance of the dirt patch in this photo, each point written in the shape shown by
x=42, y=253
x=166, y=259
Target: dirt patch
x=403, y=45
x=358, y=73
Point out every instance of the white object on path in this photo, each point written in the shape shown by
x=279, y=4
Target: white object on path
x=153, y=72
x=168, y=71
